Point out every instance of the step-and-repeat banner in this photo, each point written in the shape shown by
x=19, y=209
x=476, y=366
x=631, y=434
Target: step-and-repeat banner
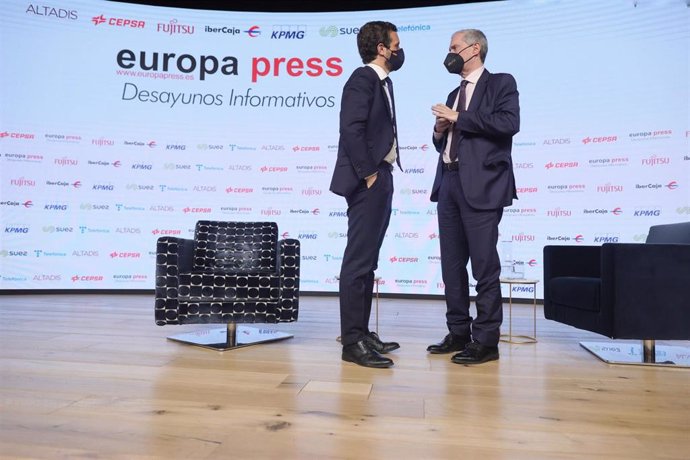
x=123, y=123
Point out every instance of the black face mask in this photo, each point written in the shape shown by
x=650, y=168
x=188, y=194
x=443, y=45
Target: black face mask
x=396, y=60
x=454, y=63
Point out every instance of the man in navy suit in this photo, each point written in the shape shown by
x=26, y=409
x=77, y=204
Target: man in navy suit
x=367, y=150
x=474, y=181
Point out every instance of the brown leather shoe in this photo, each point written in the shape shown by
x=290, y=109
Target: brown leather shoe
x=476, y=353
x=449, y=344
x=377, y=344
x=360, y=353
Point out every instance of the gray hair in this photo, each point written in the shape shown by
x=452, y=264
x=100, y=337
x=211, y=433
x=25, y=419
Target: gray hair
x=472, y=36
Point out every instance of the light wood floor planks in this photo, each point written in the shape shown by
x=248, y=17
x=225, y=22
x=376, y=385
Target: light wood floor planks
x=91, y=376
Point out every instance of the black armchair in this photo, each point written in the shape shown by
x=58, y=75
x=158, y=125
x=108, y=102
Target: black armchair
x=625, y=291
x=232, y=273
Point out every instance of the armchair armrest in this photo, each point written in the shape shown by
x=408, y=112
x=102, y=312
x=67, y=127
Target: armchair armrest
x=649, y=288
x=582, y=261
x=173, y=256
x=289, y=278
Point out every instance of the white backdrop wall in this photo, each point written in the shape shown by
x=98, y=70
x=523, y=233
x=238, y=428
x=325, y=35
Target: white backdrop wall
x=122, y=123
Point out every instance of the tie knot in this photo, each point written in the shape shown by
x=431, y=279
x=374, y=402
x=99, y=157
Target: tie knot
x=464, y=83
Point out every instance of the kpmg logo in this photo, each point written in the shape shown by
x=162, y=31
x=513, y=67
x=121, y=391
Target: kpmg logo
x=16, y=229
x=178, y=147
x=50, y=12
x=288, y=32
x=647, y=212
x=606, y=238
x=414, y=171
x=142, y=166
x=55, y=207
x=308, y=236
x=337, y=213
x=103, y=187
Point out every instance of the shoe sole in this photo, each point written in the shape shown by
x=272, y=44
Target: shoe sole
x=444, y=352
x=377, y=366
x=485, y=360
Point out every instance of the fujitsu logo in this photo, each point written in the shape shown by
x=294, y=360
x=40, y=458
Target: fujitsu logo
x=101, y=142
x=311, y=191
x=655, y=160
x=609, y=188
x=173, y=28
x=22, y=182
x=64, y=161
x=558, y=212
x=522, y=237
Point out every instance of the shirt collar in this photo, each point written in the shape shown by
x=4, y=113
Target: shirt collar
x=380, y=71
x=474, y=76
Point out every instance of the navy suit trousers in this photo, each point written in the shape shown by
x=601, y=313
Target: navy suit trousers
x=368, y=215
x=468, y=233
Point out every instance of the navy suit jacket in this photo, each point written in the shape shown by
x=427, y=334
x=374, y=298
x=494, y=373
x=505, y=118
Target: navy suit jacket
x=485, y=133
x=366, y=130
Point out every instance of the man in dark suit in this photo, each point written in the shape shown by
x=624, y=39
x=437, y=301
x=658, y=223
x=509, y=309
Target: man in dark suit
x=367, y=150
x=474, y=181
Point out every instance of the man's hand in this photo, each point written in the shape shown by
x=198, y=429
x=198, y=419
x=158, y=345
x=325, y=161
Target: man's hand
x=371, y=179
x=445, y=112
x=441, y=125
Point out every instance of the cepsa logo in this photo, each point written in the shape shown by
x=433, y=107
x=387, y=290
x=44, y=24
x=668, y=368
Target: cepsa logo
x=206, y=65
x=22, y=136
x=118, y=22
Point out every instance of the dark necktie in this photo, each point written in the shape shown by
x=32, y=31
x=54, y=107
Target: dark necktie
x=389, y=85
x=462, y=98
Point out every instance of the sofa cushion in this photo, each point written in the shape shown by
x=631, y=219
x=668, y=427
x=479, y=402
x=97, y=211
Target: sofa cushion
x=576, y=292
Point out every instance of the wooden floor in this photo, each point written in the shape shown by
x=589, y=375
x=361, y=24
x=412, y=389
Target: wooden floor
x=92, y=377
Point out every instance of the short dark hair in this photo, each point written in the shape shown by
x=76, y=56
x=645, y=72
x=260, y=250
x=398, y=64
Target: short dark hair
x=369, y=37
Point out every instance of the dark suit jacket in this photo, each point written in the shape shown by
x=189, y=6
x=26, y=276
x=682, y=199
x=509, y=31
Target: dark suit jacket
x=366, y=130
x=486, y=132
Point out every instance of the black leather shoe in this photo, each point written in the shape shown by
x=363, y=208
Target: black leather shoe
x=476, y=353
x=360, y=353
x=375, y=342
x=449, y=344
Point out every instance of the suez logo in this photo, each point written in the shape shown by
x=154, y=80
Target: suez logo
x=333, y=31
x=205, y=65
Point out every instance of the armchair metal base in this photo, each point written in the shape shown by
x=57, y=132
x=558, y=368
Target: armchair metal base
x=231, y=337
x=644, y=354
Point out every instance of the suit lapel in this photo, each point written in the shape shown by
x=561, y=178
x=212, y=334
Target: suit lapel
x=479, y=91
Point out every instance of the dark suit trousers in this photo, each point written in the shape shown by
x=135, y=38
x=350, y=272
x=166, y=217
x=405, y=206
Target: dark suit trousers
x=468, y=233
x=368, y=215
